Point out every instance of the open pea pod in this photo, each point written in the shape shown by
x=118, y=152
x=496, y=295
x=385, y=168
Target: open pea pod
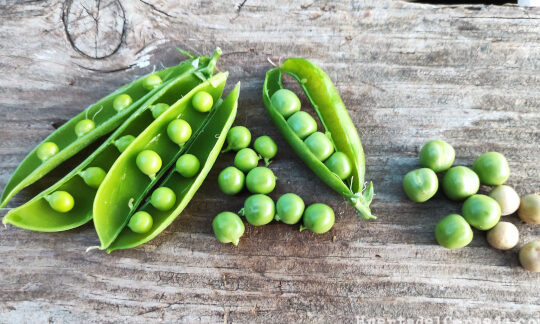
x=37, y=214
x=125, y=185
x=206, y=146
x=337, y=123
x=104, y=118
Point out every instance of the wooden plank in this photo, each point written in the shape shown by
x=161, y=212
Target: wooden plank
x=408, y=72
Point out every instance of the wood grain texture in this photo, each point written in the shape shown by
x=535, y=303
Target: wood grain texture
x=408, y=72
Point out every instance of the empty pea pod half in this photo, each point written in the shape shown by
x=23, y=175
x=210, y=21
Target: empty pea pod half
x=146, y=159
x=337, y=124
x=94, y=122
x=206, y=146
x=80, y=183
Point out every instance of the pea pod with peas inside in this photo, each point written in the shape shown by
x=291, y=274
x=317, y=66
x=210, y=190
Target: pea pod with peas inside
x=337, y=124
x=206, y=146
x=80, y=183
x=145, y=161
x=82, y=130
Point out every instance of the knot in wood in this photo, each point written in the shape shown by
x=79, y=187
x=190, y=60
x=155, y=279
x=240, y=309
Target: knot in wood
x=94, y=28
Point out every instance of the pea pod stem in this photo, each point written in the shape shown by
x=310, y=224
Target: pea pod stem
x=186, y=53
x=267, y=161
x=337, y=124
x=211, y=67
x=362, y=201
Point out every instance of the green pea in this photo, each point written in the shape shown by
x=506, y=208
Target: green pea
x=318, y=218
x=481, y=211
x=437, y=155
x=238, y=138
x=84, y=126
x=228, y=227
x=302, y=124
x=179, y=131
x=61, y=201
x=163, y=198
x=149, y=163
x=46, y=150
x=122, y=101
x=93, y=176
x=320, y=145
x=460, y=182
x=151, y=82
x=188, y=165
x=266, y=147
x=246, y=159
x=492, y=168
x=158, y=109
x=202, y=101
x=123, y=142
x=231, y=180
x=289, y=209
x=339, y=164
x=453, y=232
x=141, y=222
x=286, y=102
x=259, y=210
x=260, y=180
x=420, y=184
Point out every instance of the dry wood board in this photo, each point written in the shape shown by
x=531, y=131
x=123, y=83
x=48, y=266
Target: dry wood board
x=408, y=72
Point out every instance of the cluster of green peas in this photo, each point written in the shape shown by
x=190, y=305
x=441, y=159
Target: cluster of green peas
x=62, y=201
x=304, y=125
x=482, y=212
x=259, y=209
x=149, y=162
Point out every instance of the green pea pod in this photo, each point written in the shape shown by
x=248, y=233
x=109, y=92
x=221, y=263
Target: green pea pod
x=37, y=215
x=125, y=185
x=336, y=120
x=105, y=118
x=206, y=146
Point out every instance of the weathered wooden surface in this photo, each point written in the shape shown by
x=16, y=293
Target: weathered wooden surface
x=408, y=73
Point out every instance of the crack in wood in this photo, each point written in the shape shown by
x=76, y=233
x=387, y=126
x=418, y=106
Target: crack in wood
x=106, y=71
x=461, y=2
x=96, y=22
x=157, y=9
x=238, y=9
x=494, y=17
x=240, y=6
